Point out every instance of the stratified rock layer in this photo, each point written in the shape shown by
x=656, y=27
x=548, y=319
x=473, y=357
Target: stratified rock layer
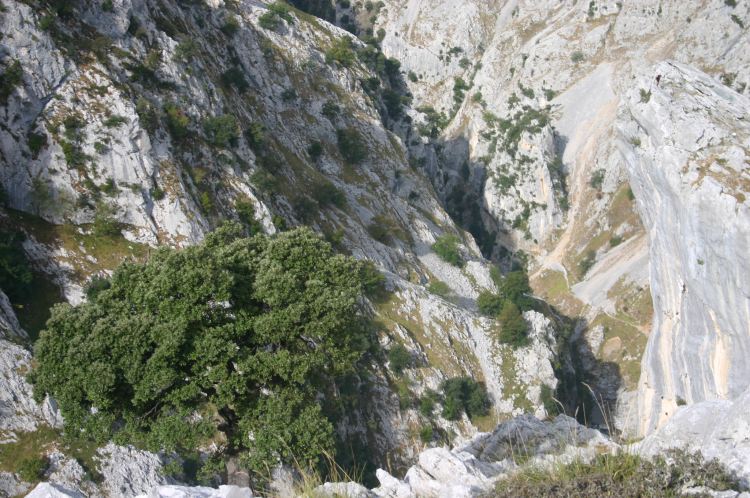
x=686, y=142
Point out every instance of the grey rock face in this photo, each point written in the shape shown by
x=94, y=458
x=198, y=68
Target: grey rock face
x=18, y=410
x=687, y=151
x=717, y=429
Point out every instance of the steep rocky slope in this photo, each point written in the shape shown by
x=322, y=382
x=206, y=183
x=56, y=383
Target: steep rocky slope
x=687, y=147
x=536, y=132
x=133, y=124
x=532, y=90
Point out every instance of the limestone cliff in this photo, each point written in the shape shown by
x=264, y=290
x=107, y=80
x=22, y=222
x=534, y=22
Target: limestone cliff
x=686, y=142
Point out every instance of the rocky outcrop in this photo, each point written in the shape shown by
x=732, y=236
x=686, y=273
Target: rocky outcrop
x=718, y=429
x=472, y=469
x=18, y=410
x=686, y=141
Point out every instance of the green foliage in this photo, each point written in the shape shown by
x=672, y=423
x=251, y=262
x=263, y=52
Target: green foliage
x=235, y=77
x=730, y=3
x=177, y=121
x=738, y=21
x=597, y=178
x=235, y=335
x=315, y=150
x=459, y=90
x=325, y=193
x=231, y=26
x=222, y=130
x=36, y=142
x=273, y=17
x=645, y=95
x=615, y=240
x=330, y=109
x=341, y=52
x=399, y=358
x=515, y=288
x=246, y=214
x=514, y=330
x=585, y=264
x=438, y=287
x=577, y=57
x=32, y=469
x=489, y=303
x=351, y=145
x=427, y=403
x=186, y=50
x=623, y=474
x=15, y=271
x=463, y=394
x=426, y=434
x=11, y=78
x=105, y=224
x=446, y=246
x=95, y=285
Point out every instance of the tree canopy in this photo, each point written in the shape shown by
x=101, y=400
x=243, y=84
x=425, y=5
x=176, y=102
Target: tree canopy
x=235, y=339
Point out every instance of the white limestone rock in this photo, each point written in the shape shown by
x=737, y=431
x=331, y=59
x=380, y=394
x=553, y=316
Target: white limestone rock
x=226, y=491
x=18, y=410
x=686, y=149
x=717, y=429
x=127, y=471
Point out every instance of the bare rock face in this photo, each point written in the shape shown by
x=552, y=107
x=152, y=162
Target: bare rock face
x=686, y=142
x=18, y=410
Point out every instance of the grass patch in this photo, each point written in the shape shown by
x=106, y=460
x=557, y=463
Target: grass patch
x=618, y=475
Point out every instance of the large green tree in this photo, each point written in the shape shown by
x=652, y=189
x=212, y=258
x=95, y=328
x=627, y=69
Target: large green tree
x=236, y=337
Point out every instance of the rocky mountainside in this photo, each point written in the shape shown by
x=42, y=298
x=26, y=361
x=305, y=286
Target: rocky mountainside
x=602, y=147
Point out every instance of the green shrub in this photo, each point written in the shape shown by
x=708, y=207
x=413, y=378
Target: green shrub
x=341, y=52
x=235, y=77
x=177, y=121
x=515, y=288
x=586, y=263
x=446, y=246
x=246, y=214
x=459, y=90
x=489, y=303
x=222, y=130
x=645, y=95
x=351, y=145
x=95, y=285
x=36, y=142
x=427, y=403
x=597, y=178
x=186, y=50
x=315, y=150
x=615, y=240
x=439, y=288
x=379, y=232
x=399, y=359
x=330, y=109
x=11, y=78
x=624, y=474
x=105, y=224
x=212, y=329
x=464, y=395
x=115, y=121
x=326, y=193
x=157, y=194
x=577, y=56
x=426, y=434
x=15, y=270
x=255, y=134
x=231, y=26
x=514, y=330
x=276, y=13
x=32, y=469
